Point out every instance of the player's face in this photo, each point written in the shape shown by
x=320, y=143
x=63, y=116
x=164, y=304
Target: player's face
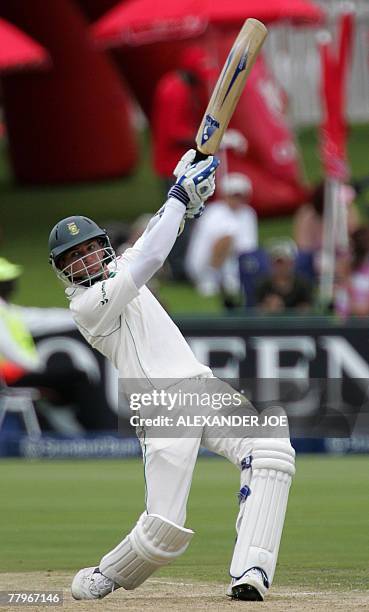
x=83, y=260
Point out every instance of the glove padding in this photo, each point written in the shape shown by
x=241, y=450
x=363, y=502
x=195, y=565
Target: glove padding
x=184, y=163
x=197, y=179
x=194, y=211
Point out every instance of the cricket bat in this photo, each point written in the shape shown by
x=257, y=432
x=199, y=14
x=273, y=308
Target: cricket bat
x=229, y=87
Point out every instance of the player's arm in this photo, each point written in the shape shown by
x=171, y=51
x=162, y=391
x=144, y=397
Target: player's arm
x=191, y=189
x=156, y=244
x=136, y=248
x=195, y=206
x=99, y=309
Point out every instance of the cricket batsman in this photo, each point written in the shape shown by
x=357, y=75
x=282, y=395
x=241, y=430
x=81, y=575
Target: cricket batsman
x=119, y=316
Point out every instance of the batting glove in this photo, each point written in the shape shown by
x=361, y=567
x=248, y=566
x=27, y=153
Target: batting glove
x=184, y=163
x=195, y=182
x=199, y=180
x=194, y=211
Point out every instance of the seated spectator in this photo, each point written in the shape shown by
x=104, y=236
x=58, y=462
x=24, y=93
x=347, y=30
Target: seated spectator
x=253, y=266
x=283, y=288
x=227, y=228
x=352, y=287
x=308, y=219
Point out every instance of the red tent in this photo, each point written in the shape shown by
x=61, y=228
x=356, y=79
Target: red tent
x=140, y=21
x=18, y=50
x=76, y=123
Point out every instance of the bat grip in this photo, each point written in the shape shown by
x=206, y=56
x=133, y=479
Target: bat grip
x=199, y=156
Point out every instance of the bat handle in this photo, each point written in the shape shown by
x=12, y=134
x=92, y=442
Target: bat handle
x=199, y=156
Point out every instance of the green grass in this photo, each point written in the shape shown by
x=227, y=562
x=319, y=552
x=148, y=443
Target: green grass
x=66, y=514
x=28, y=213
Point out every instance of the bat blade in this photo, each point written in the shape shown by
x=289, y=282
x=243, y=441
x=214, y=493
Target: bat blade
x=229, y=86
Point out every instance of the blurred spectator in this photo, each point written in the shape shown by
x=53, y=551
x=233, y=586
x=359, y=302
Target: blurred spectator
x=352, y=287
x=118, y=232
x=227, y=228
x=61, y=384
x=253, y=266
x=17, y=350
x=283, y=288
x=136, y=230
x=180, y=100
x=308, y=220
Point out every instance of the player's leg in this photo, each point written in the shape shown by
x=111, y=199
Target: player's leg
x=168, y=467
x=263, y=504
x=159, y=536
x=267, y=467
x=153, y=542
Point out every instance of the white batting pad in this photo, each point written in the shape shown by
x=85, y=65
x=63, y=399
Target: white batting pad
x=263, y=507
x=153, y=542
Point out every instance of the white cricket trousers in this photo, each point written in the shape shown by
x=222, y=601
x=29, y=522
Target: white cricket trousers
x=169, y=461
x=169, y=464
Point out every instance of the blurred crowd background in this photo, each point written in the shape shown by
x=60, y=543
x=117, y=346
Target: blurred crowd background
x=98, y=101
x=94, y=123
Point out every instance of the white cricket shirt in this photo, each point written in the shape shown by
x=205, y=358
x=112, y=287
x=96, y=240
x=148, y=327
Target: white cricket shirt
x=132, y=329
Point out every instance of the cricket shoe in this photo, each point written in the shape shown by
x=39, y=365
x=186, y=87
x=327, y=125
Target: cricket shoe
x=252, y=586
x=90, y=583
